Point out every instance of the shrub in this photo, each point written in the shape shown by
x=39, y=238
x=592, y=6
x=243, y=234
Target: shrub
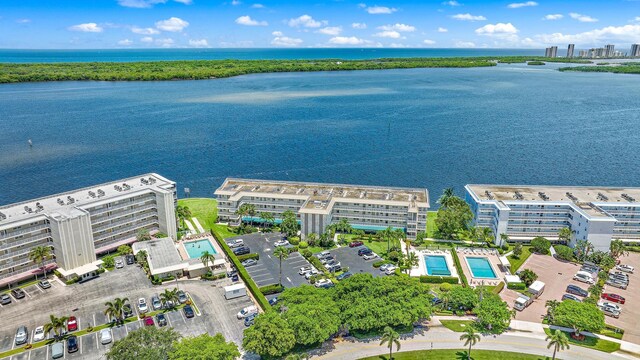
x=108, y=261
x=445, y=287
x=517, y=251
x=564, y=252
x=294, y=240
x=498, y=288
x=248, y=256
x=516, y=286
x=272, y=289
x=57, y=273
x=378, y=263
x=303, y=245
x=456, y=261
x=307, y=254
x=101, y=270
x=426, y=279
x=528, y=276
x=394, y=255
x=159, y=235
x=292, y=249
x=505, y=247
x=211, y=276
x=316, y=263
x=540, y=245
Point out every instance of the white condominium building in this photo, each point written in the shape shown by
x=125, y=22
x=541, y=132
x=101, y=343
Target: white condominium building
x=79, y=224
x=370, y=208
x=596, y=214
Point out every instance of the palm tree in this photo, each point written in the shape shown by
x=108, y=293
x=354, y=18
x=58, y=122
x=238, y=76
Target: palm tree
x=411, y=261
x=268, y=218
x=169, y=296
x=56, y=324
x=183, y=213
x=486, y=234
x=390, y=337
x=242, y=212
x=251, y=211
x=618, y=249
x=388, y=234
x=470, y=338
x=312, y=238
x=551, y=305
x=447, y=195
x=559, y=341
x=504, y=238
x=584, y=248
x=39, y=255
x=281, y=253
x=143, y=235
x=207, y=258
x=141, y=256
x=115, y=308
x=564, y=234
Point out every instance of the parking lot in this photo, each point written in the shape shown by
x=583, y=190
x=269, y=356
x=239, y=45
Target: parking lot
x=86, y=302
x=630, y=314
x=348, y=257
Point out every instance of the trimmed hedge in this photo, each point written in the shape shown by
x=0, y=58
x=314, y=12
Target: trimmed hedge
x=516, y=286
x=211, y=276
x=438, y=279
x=379, y=263
x=272, y=289
x=317, y=264
x=456, y=261
x=244, y=257
x=251, y=285
x=498, y=288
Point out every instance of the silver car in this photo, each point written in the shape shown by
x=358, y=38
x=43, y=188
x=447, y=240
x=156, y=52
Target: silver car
x=22, y=335
x=105, y=336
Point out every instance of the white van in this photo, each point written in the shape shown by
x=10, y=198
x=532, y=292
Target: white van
x=584, y=277
x=247, y=311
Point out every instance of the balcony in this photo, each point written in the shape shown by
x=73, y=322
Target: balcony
x=123, y=205
x=140, y=216
x=24, y=231
x=122, y=214
x=124, y=230
x=23, y=242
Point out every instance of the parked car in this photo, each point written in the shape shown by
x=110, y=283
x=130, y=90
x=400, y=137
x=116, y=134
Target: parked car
x=235, y=243
x=617, y=283
x=161, y=320
x=22, y=335
x=273, y=301
x=370, y=256
x=356, y=243
x=44, y=284
x=148, y=321
x=72, y=344
x=334, y=268
x=576, y=290
x=584, y=277
x=281, y=243
x=130, y=259
x=249, y=320
x=613, y=298
x=156, y=303
x=570, y=297
x=611, y=305
x=105, y=336
x=391, y=270
x=322, y=282
x=119, y=264
x=364, y=250
x=182, y=297
x=18, y=293
x=169, y=304
x=310, y=273
x=57, y=350
x=242, y=250
x=610, y=312
x=323, y=254
x=247, y=311
x=343, y=276
x=142, y=305
x=625, y=268
x=188, y=311
x=303, y=270
x=384, y=267
x=620, y=276
x=72, y=324
x=38, y=334
x=5, y=299
x=235, y=277
x=127, y=311
x=249, y=262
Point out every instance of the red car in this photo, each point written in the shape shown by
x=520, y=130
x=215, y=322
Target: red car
x=148, y=321
x=72, y=324
x=356, y=243
x=613, y=297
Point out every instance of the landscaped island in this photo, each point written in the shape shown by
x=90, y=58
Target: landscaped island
x=210, y=69
x=623, y=68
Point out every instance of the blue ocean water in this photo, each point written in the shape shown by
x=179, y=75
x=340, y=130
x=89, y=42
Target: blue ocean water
x=431, y=128
x=124, y=55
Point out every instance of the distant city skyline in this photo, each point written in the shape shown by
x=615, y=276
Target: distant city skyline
x=104, y=24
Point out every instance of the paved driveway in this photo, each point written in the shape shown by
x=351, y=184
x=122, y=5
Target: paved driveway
x=630, y=315
x=357, y=264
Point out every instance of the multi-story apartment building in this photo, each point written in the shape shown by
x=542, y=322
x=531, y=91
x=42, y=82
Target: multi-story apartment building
x=596, y=214
x=551, y=52
x=570, y=50
x=635, y=50
x=609, y=50
x=79, y=224
x=370, y=208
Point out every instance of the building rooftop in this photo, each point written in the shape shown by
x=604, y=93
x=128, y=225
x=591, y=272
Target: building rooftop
x=69, y=203
x=162, y=255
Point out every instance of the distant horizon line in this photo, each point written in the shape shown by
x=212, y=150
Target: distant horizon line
x=270, y=48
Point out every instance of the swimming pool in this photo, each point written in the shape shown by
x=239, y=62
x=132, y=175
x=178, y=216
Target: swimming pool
x=437, y=265
x=196, y=248
x=481, y=268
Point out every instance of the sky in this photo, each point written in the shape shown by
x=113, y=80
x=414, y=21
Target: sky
x=107, y=24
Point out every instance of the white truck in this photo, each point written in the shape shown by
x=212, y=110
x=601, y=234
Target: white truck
x=535, y=290
x=522, y=302
x=235, y=291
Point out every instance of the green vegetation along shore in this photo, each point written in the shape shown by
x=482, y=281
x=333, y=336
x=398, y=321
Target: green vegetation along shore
x=623, y=68
x=211, y=69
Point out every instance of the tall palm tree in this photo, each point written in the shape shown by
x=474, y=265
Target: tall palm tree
x=169, y=296
x=115, y=308
x=411, y=261
x=183, y=213
x=447, y=195
x=243, y=211
x=388, y=234
x=559, y=341
x=504, y=238
x=251, y=211
x=268, y=218
x=564, y=234
x=55, y=324
x=618, y=249
x=486, y=234
x=390, y=337
x=141, y=256
x=551, y=305
x=281, y=253
x=207, y=258
x=470, y=338
x=39, y=255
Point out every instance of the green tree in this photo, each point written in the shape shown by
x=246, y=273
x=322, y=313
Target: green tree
x=583, y=248
x=169, y=296
x=486, y=234
x=124, y=250
x=115, y=309
x=595, y=291
x=204, y=347
x=148, y=342
x=504, y=238
x=390, y=338
x=551, y=306
x=540, y=245
x=410, y=261
x=344, y=226
x=559, y=341
x=578, y=315
x=282, y=254
x=517, y=251
x=39, y=255
x=141, y=257
x=268, y=218
x=183, y=213
x=207, y=258
x=618, y=249
x=143, y=235
x=493, y=314
x=564, y=252
x=564, y=235
x=311, y=313
x=462, y=298
x=453, y=217
x=270, y=336
x=420, y=238
x=528, y=277
x=289, y=225
x=470, y=338
x=55, y=324
x=242, y=212
x=447, y=195
x=312, y=238
x=388, y=235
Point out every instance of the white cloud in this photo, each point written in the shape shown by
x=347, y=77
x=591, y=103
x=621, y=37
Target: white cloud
x=497, y=29
x=388, y=34
x=140, y=4
x=609, y=34
x=88, y=27
x=125, y=42
x=248, y=21
x=23, y=21
x=397, y=45
x=172, y=24
x=443, y=30
x=469, y=17
x=637, y=19
x=285, y=41
x=344, y=40
x=582, y=18
x=168, y=42
x=202, y=43
x=236, y=2
x=377, y=10
x=277, y=33
x=465, y=44
x=144, y=31
x=428, y=42
x=553, y=17
x=147, y=39
x=398, y=27
x=452, y=3
x=331, y=30
x=186, y=2
x=257, y=6
x=522, y=4
x=306, y=21
x=359, y=26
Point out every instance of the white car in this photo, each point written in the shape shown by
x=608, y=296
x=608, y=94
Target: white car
x=304, y=270
x=281, y=243
x=391, y=270
x=625, y=268
x=249, y=310
x=369, y=256
x=384, y=267
x=322, y=282
x=142, y=305
x=105, y=336
x=310, y=273
x=235, y=243
x=610, y=305
x=119, y=264
x=38, y=334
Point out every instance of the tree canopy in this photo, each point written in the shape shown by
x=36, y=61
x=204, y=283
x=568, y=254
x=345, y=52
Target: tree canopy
x=578, y=315
x=289, y=225
x=270, y=336
x=493, y=314
x=453, y=217
x=148, y=342
x=461, y=298
x=204, y=347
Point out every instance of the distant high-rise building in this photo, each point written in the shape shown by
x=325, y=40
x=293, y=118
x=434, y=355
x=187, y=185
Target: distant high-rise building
x=570, y=50
x=609, y=50
x=551, y=52
x=583, y=53
x=635, y=50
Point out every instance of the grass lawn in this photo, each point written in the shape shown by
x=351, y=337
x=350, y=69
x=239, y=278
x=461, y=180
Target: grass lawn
x=517, y=262
x=431, y=223
x=457, y=354
x=590, y=342
x=205, y=209
x=456, y=325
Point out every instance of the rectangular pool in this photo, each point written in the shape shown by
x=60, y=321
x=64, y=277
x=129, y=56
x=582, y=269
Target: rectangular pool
x=196, y=248
x=437, y=265
x=481, y=268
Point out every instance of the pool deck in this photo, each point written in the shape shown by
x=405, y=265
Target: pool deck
x=422, y=266
x=183, y=251
x=494, y=259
